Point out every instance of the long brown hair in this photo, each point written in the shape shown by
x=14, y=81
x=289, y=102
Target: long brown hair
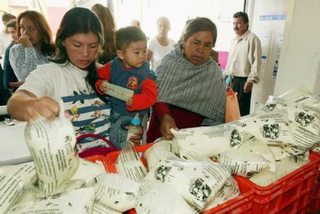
x=42, y=26
x=105, y=15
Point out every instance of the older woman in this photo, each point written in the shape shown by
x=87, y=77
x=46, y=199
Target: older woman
x=35, y=44
x=190, y=83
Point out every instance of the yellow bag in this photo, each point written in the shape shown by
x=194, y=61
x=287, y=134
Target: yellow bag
x=232, y=106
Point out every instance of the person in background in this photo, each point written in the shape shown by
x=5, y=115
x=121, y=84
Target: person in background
x=4, y=43
x=135, y=23
x=108, y=50
x=35, y=44
x=10, y=80
x=244, y=61
x=191, y=89
x=160, y=44
x=5, y=38
x=70, y=75
x=130, y=70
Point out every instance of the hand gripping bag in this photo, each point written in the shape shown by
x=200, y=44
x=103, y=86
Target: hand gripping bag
x=52, y=147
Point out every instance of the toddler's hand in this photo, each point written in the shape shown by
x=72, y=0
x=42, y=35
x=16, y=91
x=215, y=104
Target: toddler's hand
x=129, y=102
x=137, y=137
x=103, y=86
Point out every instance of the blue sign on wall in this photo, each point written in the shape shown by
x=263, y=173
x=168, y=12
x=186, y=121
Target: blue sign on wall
x=273, y=17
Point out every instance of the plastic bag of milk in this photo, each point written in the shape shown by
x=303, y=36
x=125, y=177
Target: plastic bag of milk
x=100, y=208
x=87, y=170
x=78, y=201
x=116, y=191
x=196, y=181
x=300, y=92
x=243, y=162
x=229, y=191
x=272, y=128
x=129, y=164
x=249, y=157
x=156, y=197
x=13, y=181
x=306, y=117
x=32, y=193
x=273, y=104
x=208, y=141
x=162, y=150
x=52, y=147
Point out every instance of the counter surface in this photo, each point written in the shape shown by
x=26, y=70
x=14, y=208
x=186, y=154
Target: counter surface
x=14, y=149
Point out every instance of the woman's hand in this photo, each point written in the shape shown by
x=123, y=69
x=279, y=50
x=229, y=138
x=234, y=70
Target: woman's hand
x=166, y=123
x=25, y=41
x=25, y=106
x=44, y=107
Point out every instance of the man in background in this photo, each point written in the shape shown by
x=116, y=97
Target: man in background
x=5, y=38
x=135, y=23
x=244, y=61
x=10, y=80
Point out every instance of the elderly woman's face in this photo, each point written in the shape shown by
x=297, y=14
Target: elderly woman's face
x=197, y=48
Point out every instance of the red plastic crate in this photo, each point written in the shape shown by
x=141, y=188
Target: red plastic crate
x=112, y=157
x=96, y=158
x=290, y=194
x=314, y=206
x=241, y=204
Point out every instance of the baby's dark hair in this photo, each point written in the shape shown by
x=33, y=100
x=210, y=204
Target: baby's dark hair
x=127, y=35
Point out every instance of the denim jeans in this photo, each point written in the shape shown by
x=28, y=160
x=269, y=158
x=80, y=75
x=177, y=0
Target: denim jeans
x=118, y=129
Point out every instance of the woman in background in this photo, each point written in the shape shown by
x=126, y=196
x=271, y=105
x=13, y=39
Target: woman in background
x=108, y=51
x=191, y=90
x=35, y=44
x=160, y=44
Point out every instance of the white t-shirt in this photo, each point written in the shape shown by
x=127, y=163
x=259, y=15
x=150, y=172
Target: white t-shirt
x=88, y=113
x=158, y=51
